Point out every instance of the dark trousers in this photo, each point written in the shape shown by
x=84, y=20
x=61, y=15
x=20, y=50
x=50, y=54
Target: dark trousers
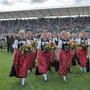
x=11, y=49
x=87, y=66
x=74, y=60
x=8, y=47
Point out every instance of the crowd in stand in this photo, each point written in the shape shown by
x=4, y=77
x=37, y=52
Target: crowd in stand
x=74, y=24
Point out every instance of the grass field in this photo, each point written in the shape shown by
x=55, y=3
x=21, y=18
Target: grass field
x=76, y=80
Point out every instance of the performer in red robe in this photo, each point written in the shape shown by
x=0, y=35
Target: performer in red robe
x=74, y=52
x=31, y=55
x=51, y=52
x=82, y=52
x=55, y=40
x=64, y=59
x=21, y=62
x=70, y=52
x=43, y=56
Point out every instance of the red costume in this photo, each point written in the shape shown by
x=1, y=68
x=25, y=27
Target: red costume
x=63, y=63
x=70, y=57
x=43, y=61
x=65, y=58
x=52, y=58
x=21, y=64
x=82, y=53
x=32, y=59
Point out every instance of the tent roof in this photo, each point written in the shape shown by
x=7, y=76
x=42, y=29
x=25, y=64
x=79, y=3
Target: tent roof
x=67, y=11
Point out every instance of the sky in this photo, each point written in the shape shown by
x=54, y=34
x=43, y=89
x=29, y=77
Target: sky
x=15, y=5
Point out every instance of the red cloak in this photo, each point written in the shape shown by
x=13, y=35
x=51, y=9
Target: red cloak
x=21, y=64
x=52, y=58
x=43, y=61
x=32, y=59
x=63, y=63
x=82, y=53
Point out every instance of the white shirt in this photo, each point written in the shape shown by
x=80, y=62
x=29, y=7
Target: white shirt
x=54, y=39
x=39, y=44
x=60, y=44
x=88, y=41
x=35, y=39
x=78, y=40
x=16, y=42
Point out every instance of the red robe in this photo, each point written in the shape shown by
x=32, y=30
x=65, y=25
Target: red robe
x=52, y=58
x=63, y=63
x=82, y=53
x=21, y=64
x=74, y=51
x=70, y=57
x=43, y=61
x=32, y=59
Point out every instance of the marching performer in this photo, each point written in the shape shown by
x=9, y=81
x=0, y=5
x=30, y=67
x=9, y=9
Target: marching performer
x=43, y=56
x=70, y=52
x=32, y=55
x=55, y=40
x=83, y=51
x=64, y=55
x=52, y=52
x=20, y=62
x=73, y=51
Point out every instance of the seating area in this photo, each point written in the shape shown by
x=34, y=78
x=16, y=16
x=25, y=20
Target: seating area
x=71, y=24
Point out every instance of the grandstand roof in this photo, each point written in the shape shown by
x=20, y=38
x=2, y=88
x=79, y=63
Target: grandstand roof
x=66, y=11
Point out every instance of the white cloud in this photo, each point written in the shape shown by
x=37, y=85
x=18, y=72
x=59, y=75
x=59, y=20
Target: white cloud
x=38, y=1
x=9, y=5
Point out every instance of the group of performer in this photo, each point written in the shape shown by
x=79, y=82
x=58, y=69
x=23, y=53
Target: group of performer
x=64, y=57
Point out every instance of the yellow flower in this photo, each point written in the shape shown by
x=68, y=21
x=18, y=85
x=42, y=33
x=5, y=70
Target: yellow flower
x=27, y=45
x=76, y=44
x=52, y=47
x=34, y=41
x=86, y=43
x=72, y=43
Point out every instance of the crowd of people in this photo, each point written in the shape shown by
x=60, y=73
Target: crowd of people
x=63, y=58
x=6, y=40
x=72, y=24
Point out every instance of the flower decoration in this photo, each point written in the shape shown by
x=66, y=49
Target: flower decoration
x=85, y=45
x=73, y=45
x=50, y=46
x=34, y=43
x=25, y=49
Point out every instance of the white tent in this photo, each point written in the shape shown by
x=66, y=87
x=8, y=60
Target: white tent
x=69, y=11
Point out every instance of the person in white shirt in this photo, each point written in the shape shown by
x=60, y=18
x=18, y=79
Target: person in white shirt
x=31, y=55
x=64, y=55
x=43, y=55
x=73, y=39
x=20, y=65
x=83, y=52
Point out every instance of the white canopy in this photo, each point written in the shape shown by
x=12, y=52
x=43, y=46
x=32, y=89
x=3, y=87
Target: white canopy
x=69, y=11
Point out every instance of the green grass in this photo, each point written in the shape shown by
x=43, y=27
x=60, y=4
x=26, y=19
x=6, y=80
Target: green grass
x=75, y=81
